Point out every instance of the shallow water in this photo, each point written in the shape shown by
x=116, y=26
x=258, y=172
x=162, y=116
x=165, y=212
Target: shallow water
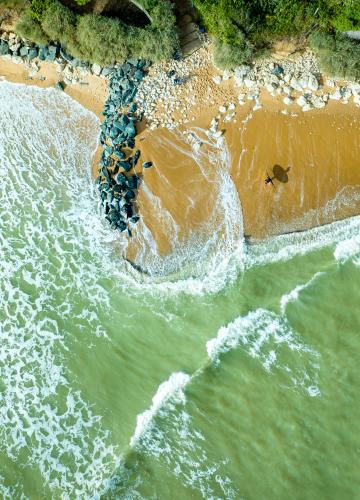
x=236, y=377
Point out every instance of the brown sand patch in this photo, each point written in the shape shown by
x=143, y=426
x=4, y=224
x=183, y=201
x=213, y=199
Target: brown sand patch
x=91, y=95
x=313, y=159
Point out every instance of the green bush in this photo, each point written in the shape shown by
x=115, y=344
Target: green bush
x=60, y=24
x=27, y=27
x=338, y=56
x=228, y=56
x=105, y=40
x=38, y=8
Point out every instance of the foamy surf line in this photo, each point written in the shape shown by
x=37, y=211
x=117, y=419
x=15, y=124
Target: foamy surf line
x=285, y=247
x=47, y=229
x=269, y=338
x=166, y=432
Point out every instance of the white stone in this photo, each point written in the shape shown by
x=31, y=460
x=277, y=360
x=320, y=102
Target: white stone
x=301, y=101
x=330, y=83
x=249, y=83
x=287, y=100
x=312, y=83
x=222, y=109
x=231, y=106
x=270, y=87
x=307, y=107
x=226, y=75
x=318, y=102
x=230, y=117
x=241, y=71
x=286, y=90
x=96, y=69
x=336, y=96
x=295, y=84
x=217, y=79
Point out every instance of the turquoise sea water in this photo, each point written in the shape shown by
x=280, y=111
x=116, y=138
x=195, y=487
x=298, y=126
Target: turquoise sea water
x=241, y=382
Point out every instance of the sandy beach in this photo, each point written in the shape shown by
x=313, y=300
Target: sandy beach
x=312, y=157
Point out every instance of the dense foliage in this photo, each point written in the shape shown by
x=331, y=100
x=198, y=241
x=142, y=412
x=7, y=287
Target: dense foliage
x=338, y=56
x=249, y=26
x=101, y=39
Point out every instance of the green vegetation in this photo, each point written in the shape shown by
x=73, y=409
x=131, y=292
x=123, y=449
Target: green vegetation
x=338, y=56
x=244, y=28
x=100, y=39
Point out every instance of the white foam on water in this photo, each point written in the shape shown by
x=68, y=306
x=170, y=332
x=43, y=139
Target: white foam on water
x=165, y=432
x=287, y=246
x=172, y=390
x=210, y=257
x=293, y=295
x=269, y=338
x=348, y=249
x=48, y=231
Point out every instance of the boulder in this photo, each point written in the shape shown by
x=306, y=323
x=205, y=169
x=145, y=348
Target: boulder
x=96, y=69
x=312, y=84
x=43, y=53
x=24, y=51
x=4, y=49
x=59, y=85
x=301, y=101
x=106, y=72
x=52, y=53
x=33, y=53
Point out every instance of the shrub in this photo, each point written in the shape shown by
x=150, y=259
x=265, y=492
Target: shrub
x=38, y=8
x=338, y=56
x=228, y=57
x=101, y=39
x=105, y=40
x=27, y=27
x=60, y=24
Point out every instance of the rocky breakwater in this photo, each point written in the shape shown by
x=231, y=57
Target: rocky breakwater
x=118, y=180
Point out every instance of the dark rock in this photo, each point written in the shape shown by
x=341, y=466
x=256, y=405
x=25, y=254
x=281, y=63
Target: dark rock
x=24, y=51
x=43, y=53
x=130, y=195
x=4, y=49
x=125, y=165
x=121, y=179
x=130, y=130
x=277, y=70
x=147, y=164
x=59, y=85
x=52, y=53
x=139, y=74
x=33, y=53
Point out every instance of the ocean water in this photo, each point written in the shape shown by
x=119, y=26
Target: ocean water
x=236, y=378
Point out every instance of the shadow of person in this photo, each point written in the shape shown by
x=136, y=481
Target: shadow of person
x=280, y=174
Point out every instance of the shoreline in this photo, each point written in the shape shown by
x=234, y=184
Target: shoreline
x=233, y=96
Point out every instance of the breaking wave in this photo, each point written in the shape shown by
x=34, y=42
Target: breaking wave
x=46, y=281
x=269, y=338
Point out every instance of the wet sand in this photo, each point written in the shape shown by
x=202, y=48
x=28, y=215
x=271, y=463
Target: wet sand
x=179, y=197
x=313, y=158
x=91, y=95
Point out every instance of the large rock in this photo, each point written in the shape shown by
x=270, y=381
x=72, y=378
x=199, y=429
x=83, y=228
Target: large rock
x=32, y=53
x=4, y=49
x=96, y=69
x=24, y=51
x=52, y=53
x=312, y=84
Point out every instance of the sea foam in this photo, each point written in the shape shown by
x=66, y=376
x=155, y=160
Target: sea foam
x=269, y=338
x=48, y=231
